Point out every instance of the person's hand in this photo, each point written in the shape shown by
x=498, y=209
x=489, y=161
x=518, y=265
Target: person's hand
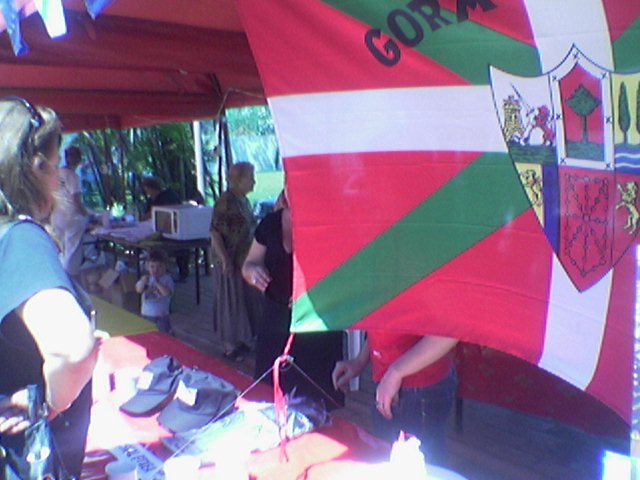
x=101, y=335
x=14, y=412
x=387, y=392
x=343, y=372
x=260, y=277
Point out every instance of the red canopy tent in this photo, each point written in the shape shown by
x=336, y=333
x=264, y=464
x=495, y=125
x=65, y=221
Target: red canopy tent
x=140, y=62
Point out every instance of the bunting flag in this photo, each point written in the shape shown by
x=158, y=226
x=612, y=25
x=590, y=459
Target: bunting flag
x=52, y=15
x=12, y=21
x=464, y=168
x=95, y=7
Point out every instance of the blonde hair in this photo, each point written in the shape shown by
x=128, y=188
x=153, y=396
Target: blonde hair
x=26, y=132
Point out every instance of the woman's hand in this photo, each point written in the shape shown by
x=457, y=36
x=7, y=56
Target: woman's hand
x=259, y=277
x=14, y=412
x=344, y=372
x=387, y=392
x=253, y=270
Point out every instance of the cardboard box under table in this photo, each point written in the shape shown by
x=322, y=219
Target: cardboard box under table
x=197, y=247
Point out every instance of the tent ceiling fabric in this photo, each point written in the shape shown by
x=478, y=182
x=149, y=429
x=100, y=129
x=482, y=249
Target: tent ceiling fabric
x=140, y=62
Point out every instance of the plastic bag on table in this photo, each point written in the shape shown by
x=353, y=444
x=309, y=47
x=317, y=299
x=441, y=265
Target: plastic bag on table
x=253, y=426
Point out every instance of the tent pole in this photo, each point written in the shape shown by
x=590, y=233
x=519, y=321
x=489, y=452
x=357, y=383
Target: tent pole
x=197, y=148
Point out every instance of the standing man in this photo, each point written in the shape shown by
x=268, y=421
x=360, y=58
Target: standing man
x=156, y=197
x=416, y=386
x=69, y=218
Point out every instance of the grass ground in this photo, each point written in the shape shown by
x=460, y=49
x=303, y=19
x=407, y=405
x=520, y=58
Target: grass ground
x=268, y=185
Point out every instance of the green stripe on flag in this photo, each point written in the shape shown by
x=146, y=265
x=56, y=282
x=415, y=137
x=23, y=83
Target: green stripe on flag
x=626, y=50
x=477, y=202
x=466, y=48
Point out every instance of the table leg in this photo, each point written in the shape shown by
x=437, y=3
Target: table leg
x=207, y=261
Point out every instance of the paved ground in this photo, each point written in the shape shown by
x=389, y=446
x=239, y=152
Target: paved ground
x=495, y=443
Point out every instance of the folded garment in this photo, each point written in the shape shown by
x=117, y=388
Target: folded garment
x=155, y=388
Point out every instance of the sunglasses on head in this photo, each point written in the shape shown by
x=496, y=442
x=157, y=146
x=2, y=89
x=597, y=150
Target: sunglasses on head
x=35, y=118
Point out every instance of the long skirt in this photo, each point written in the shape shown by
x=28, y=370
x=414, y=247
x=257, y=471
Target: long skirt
x=236, y=307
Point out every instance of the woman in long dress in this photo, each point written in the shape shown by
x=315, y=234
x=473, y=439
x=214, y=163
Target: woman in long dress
x=235, y=304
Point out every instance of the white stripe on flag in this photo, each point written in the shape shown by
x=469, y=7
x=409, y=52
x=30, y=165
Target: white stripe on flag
x=400, y=119
x=52, y=15
x=557, y=26
x=573, y=336
x=575, y=327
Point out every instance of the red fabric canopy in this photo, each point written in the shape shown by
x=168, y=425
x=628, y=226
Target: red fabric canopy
x=140, y=62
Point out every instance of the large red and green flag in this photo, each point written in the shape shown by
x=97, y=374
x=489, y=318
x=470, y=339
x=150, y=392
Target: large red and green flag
x=465, y=168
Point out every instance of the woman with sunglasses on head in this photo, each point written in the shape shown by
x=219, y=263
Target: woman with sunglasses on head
x=46, y=338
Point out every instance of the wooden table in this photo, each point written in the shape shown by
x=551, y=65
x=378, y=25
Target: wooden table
x=164, y=244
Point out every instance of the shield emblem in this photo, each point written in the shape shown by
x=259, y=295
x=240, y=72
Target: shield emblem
x=573, y=135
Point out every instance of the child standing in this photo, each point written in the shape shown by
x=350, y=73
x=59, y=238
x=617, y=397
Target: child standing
x=156, y=289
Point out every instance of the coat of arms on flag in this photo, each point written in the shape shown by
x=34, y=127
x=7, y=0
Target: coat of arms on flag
x=576, y=148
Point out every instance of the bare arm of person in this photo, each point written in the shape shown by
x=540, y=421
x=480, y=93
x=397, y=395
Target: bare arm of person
x=66, y=342
x=218, y=246
x=425, y=352
x=162, y=288
x=77, y=200
x=346, y=370
x=254, y=271
x=142, y=283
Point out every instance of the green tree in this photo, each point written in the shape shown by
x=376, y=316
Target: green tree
x=583, y=103
x=624, y=116
x=120, y=157
x=255, y=120
x=638, y=109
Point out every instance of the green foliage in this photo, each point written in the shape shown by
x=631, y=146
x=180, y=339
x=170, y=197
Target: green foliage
x=120, y=157
x=583, y=103
x=268, y=186
x=534, y=154
x=117, y=159
x=624, y=116
x=586, y=150
x=254, y=120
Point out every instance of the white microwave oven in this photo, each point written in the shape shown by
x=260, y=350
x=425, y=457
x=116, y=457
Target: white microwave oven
x=182, y=222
